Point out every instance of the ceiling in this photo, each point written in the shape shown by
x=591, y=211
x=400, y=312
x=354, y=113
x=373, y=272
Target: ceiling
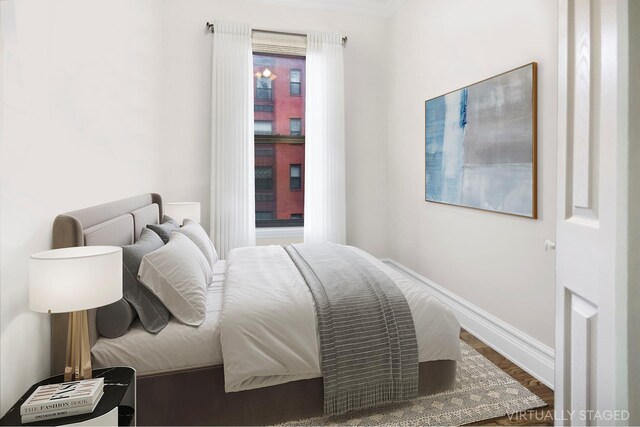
x=368, y=7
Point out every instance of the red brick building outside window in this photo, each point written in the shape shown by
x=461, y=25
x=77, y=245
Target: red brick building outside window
x=279, y=91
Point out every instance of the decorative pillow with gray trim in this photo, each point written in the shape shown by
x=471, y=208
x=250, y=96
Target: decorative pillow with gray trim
x=178, y=274
x=196, y=233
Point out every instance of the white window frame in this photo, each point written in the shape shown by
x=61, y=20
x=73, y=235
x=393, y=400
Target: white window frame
x=279, y=232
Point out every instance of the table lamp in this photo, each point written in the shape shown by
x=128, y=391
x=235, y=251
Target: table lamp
x=182, y=210
x=74, y=280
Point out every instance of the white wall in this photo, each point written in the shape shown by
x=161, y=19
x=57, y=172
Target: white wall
x=81, y=115
x=187, y=96
x=495, y=261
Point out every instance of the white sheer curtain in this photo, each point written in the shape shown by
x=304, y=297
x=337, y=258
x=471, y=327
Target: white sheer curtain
x=232, y=161
x=324, y=198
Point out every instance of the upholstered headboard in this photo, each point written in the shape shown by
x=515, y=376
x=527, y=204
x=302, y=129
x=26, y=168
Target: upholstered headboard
x=116, y=223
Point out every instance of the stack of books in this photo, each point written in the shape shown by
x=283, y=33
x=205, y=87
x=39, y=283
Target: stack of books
x=62, y=400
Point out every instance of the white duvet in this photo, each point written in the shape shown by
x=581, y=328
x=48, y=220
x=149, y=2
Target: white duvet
x=268, y=330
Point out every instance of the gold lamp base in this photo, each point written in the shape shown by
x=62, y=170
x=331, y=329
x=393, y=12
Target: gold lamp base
x=78, y=359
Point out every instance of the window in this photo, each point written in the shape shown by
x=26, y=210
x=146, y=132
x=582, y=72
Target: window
x=294, y=83
x=264, y=197
x=263, y=127
x=267, y=108
x=263, y=151
x=295, y=127
x=295, y=180
x=279, y=139
x=264, y=86
x=264, y=215
x=264, y=178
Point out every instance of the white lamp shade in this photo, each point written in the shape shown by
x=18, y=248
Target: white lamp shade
x=182, y=210
x=72, y=279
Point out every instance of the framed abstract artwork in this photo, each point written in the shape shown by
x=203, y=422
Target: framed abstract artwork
x=480, y=145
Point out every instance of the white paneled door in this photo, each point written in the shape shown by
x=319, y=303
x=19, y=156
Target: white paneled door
x=591, y=372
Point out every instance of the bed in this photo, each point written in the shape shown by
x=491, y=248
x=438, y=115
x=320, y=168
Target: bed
x=180, y=371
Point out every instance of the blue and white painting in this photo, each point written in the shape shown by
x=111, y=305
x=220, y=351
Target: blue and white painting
x=480, y=145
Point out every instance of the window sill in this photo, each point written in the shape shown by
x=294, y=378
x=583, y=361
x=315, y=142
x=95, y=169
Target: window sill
x=278, y=232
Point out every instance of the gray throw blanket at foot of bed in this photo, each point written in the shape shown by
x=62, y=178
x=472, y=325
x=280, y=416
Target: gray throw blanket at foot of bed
x=369, y=353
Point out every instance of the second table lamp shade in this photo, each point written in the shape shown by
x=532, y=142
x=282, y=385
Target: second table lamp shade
x=183, y=210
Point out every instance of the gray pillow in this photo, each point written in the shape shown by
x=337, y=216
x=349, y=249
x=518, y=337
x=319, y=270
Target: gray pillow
x=113, y=320
x=196, y=233
x=152, y=313
x=164, y=230
x=178, y=274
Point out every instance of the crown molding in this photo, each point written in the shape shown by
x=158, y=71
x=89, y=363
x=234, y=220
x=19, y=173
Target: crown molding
x=383, y=8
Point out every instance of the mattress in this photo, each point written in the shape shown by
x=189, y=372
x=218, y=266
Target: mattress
x=165, y=351
x=179, y=347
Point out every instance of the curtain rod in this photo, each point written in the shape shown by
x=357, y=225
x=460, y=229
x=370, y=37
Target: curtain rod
x=210, y=29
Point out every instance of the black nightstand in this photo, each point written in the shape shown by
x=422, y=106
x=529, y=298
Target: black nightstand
x=116, y=407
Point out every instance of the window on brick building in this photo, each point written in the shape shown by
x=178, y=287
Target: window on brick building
x=264, y=215
x=295, y=127
x=264, y=178
x=263, y=127
x=264, y=107
x=264, y=88
x=295, y=177
x=295, y=83
x=279, y=139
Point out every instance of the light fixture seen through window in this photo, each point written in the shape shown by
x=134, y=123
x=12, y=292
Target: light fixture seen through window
x=266, y=73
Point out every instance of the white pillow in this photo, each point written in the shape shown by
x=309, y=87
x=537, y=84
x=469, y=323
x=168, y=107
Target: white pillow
x=178, y=274
x=196, y=233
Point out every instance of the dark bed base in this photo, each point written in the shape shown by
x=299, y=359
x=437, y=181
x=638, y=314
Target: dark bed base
x=197, y=397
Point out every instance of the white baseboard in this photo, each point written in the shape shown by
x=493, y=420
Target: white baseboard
x=528, y=353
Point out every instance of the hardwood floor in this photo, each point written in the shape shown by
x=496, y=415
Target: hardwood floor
x=537, y=417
